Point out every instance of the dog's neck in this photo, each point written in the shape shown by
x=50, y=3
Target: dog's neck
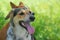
x=19, y=32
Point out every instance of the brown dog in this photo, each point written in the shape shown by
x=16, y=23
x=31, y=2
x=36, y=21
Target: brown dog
x=20, y=18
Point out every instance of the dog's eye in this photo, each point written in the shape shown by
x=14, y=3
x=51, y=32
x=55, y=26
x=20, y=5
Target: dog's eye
x=21, y=13
x=29, y=11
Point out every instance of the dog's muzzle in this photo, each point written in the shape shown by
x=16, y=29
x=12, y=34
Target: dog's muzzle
x=27, y=26
x=32, y=18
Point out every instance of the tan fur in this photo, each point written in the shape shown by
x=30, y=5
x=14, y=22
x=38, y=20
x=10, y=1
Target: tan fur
x=3, y=32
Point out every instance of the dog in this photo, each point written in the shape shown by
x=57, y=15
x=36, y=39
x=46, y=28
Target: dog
x=19, y=26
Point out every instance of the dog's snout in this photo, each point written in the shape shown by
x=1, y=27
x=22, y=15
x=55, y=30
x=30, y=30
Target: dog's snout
x=32, y=18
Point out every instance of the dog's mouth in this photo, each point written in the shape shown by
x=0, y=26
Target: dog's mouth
x=27, y=25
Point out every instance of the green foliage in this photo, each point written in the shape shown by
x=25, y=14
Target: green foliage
x=47, y=14
x=2, y=19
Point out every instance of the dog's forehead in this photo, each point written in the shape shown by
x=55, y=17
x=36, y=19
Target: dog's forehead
x=16, y=10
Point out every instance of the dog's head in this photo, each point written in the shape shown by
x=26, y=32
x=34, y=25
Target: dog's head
x=22, y=15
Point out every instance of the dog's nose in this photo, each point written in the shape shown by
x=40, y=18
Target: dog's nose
x=32, y=18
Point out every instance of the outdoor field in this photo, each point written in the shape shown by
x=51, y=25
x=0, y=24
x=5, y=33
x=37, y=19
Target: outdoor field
x=47, y=17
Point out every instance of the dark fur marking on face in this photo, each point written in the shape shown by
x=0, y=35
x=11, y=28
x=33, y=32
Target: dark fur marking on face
x=16, y=11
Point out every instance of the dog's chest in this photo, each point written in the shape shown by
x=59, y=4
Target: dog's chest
x=21, y=33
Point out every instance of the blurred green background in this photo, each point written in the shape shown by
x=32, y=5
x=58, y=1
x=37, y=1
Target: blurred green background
x=47, y=14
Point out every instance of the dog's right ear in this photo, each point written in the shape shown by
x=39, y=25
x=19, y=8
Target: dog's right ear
x=13, y=5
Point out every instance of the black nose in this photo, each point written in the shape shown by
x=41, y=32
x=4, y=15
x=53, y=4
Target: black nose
x=32, y=18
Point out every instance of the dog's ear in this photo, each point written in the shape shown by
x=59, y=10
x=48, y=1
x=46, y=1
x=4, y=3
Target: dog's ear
x=21, y=5
x=10, y=14
x=13, y=5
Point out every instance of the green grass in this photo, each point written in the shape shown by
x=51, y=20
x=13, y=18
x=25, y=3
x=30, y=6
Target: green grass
x=47, y=14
